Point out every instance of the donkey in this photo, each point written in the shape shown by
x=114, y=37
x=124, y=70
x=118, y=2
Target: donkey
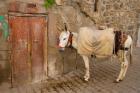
x=122, y=43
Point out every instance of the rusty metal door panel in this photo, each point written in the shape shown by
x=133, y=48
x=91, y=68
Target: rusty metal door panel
x=19, y=40
x=37, y=27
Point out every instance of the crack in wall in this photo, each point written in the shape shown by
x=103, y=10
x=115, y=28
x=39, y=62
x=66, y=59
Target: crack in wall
x=84, y=13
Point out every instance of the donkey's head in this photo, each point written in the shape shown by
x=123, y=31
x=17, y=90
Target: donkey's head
x=64, y=40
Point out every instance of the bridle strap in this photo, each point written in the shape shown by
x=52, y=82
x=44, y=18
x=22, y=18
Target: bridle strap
x=69, y=44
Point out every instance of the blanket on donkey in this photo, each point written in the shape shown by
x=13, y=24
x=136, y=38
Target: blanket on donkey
x=95, y=42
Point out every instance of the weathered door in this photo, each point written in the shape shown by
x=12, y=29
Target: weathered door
x=37, y=26
x=27, y=38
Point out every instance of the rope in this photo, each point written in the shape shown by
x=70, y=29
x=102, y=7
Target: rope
x=64, y=19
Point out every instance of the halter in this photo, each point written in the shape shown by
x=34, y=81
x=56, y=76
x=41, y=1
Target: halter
x=70, y=40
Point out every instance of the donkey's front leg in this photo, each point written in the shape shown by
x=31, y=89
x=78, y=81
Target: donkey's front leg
x=86, y=61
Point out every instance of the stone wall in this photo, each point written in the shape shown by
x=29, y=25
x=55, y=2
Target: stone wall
x=4, y=4
x=120, y=14
x=3, y=7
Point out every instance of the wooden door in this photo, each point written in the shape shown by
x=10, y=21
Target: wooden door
x=37, y=28
x=27, y=38
x=19, y=47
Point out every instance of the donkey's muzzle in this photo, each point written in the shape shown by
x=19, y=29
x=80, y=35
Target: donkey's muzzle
x=61, y=49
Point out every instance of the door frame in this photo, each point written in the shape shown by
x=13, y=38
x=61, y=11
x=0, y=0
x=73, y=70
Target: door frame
x=45, y=41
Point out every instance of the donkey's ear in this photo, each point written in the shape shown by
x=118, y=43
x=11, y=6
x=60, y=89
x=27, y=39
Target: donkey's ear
x=65, y=25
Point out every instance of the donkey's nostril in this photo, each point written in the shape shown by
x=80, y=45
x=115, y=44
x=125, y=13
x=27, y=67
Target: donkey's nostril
x=59, y=46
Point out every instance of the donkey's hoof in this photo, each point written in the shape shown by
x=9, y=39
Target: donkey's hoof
x=117, y=81
x=86, y=79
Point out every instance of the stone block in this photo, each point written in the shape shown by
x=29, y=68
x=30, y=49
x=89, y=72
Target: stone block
x=70, y=60
x=59, y=2
x=26, y=7
x=55, y=63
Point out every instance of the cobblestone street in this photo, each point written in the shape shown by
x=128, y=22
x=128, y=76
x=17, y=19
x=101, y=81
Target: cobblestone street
x=102, y=76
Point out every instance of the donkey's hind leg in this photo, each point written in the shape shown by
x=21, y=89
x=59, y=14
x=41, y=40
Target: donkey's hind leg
x=124, y=66
x=121, y=73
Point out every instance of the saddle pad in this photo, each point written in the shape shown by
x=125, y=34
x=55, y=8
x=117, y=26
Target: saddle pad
x=95, y=42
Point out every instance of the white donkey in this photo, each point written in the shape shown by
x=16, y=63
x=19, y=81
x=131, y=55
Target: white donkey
x=71, y=39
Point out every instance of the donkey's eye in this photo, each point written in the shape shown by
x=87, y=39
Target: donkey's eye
x=64, y=39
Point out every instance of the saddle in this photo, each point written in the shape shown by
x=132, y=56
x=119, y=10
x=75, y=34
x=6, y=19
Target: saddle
x=120, y=38
x=95, y=42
